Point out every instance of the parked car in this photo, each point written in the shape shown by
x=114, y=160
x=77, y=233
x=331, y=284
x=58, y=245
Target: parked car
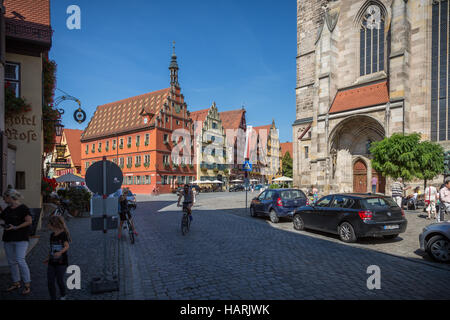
x=237, y=187
x=259, y=187
x=278, y=203
x=352, y=216
x=435, y=241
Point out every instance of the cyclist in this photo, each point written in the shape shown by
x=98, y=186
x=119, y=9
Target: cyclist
x=188, y=199
x=125, y=212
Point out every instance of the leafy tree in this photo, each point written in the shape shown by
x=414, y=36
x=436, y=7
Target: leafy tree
x=287, y=165
x=404, y=156
x=431, y=161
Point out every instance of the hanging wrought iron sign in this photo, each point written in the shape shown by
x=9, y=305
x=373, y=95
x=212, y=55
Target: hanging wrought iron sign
x=79, y=115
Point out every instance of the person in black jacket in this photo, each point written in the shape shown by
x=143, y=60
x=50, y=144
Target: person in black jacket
x=16, y=234
x=125, y=212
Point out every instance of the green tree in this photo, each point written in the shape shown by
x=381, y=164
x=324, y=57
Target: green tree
x=431, y=161
x=404, y=156
x=287, y=165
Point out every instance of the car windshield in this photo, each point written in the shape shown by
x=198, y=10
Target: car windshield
x=292, y=195
x=378, y=203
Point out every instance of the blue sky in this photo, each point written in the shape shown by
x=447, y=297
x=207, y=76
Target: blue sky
x=232, y=52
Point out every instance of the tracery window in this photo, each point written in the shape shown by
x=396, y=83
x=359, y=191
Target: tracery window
x=372, y=41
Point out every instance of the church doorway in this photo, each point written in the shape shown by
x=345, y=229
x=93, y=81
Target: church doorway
x=381, y=185
x=359, y=177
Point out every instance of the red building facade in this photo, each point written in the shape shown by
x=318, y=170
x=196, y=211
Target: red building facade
x=136, y=134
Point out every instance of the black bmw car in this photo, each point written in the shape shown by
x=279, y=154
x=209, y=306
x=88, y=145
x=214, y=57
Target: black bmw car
x=353, y=216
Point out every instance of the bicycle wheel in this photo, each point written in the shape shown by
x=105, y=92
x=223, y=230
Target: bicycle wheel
x=130, y=232
x=184, y=224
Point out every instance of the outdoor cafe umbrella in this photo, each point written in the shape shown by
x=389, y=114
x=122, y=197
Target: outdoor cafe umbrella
x=237, y=180
x=216, y=181
x=283, y=179
x=197, y=182
x=70, y=177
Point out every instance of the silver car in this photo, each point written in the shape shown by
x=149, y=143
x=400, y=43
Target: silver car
x=435, y=240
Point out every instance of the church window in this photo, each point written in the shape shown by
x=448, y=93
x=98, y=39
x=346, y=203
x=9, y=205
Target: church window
x=372, y=41
x=440, y=69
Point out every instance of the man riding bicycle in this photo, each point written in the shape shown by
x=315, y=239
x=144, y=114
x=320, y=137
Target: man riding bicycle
x=188, y=199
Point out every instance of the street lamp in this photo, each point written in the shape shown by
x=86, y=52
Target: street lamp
x=59, y=127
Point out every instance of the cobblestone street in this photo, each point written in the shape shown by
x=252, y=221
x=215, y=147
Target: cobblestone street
x=229, y=255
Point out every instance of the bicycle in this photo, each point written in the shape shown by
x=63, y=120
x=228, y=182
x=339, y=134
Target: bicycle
x=62, y=210
x=185, y=221
x=128, y=226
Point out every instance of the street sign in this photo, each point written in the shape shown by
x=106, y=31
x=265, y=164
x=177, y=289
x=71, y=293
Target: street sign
x=247, y=166
x=94, y=177
x=61, y=165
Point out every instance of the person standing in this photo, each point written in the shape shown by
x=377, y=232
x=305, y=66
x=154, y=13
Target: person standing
x=374, y=184
x=57, y=260
x=444, y=196
x=397, y=191
x=17, y=218
x=431, y=196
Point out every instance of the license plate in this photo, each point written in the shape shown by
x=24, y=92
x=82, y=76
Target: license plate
x=391, y=227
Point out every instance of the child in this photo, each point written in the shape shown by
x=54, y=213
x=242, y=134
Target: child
x=57, y=260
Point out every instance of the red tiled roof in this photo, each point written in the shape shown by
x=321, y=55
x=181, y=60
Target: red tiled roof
x=74, y=144
x=267, y=128
x=360, y=97
x=34, y=23
x=232, y=119
x=124, y=115
x=199, y=115
x=286, y=147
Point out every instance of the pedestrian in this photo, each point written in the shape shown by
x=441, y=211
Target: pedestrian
x=315, y=194
x=431, y=197
x=125, y=213
x=374, y=184
x=397, y=191
x=57, y=260
x=17, y=218
x=444, y=196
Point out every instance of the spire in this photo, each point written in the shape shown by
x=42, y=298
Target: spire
x=174, y=68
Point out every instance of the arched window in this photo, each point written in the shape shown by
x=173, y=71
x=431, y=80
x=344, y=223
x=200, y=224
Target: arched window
x=372, y=41
x=440, y=71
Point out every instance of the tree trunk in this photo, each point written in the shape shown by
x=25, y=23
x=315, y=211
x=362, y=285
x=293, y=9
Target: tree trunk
x=424, y=185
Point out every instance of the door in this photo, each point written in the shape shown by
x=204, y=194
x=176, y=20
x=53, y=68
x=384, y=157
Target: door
x=381, y=184
x=316, y=218
x=257, y=204
x=267, y=201
x=333, y=215
x=359, y=177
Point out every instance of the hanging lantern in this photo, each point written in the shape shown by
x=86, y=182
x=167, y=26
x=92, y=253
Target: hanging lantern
x=59, y=128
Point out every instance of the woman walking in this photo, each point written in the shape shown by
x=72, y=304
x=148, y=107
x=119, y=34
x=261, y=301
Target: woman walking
x=16, y=234
x=57, y=260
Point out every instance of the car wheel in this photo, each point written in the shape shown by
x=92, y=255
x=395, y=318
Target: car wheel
x=346, y=233
x=438, y=248
x=273, y=216
x=390, y=236
x=252, y=212
x=298, y=223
